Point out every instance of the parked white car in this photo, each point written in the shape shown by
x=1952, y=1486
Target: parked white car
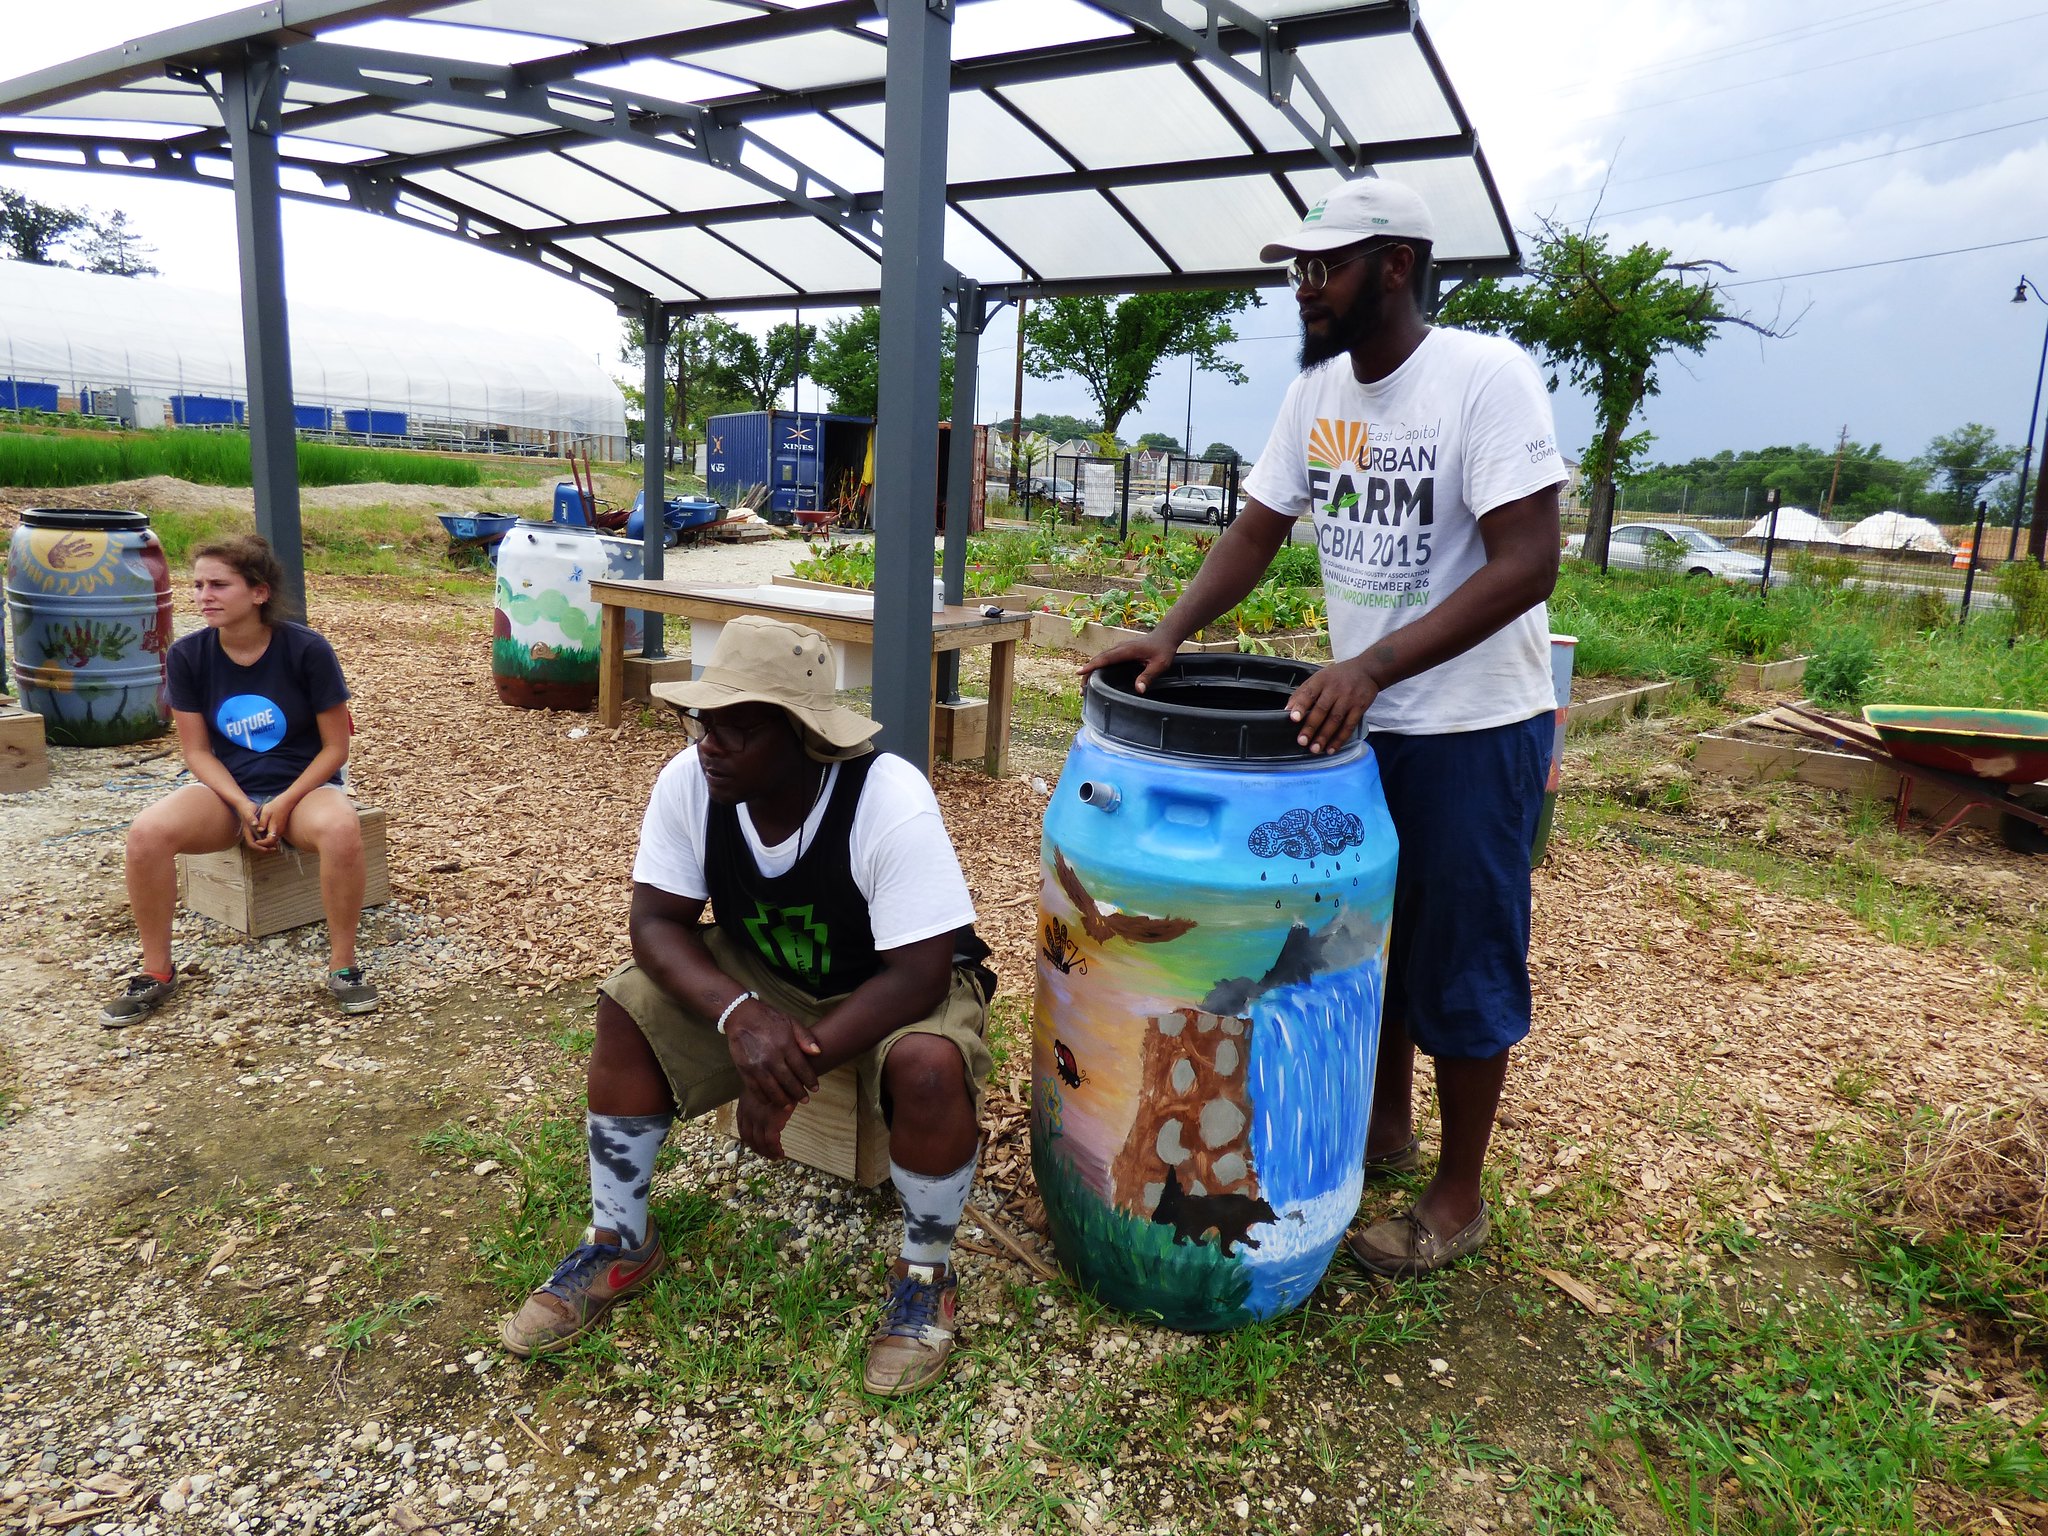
x=1194, y=503
x=1673, y=547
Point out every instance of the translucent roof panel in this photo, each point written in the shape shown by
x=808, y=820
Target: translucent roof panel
x=701, y=151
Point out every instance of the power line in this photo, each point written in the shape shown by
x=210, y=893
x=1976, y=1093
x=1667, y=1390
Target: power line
x=1837, y=137
x=1889, y=261
x=1781, y=38
x=1815, y=170
x=1664, y=102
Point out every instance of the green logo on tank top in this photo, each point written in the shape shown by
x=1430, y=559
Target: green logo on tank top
x=789, y=937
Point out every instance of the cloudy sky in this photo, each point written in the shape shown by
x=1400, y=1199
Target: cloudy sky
x=1856, y=135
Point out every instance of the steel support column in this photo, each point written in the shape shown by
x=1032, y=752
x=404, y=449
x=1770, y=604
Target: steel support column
x=653, y=459
x=914, y=280
x=251, y=90
x=969, y=318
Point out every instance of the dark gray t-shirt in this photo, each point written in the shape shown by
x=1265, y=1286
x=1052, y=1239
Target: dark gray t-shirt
x=263, y=720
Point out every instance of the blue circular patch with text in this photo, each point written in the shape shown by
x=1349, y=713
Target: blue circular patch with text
x=250, y=720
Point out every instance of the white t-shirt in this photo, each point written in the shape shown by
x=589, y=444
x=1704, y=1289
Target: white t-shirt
x=903, y=861
x=1395, y=476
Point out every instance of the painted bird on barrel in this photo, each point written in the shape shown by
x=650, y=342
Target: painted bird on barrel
x=1103, y=926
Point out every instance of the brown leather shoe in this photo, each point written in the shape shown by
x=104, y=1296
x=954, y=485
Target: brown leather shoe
x=596, y=1277
x=1405, y=1246
x=914, y=1338
x=1397, y=1164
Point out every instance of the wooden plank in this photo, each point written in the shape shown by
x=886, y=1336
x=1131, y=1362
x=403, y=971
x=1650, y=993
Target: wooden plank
x=264, y=893
x=1002, y=685
x=1763, y=675
x=960, y=731
x=24, y=757
x=611, y=664
x=832, y=1131
x=1766, y=762
x=1629, y=701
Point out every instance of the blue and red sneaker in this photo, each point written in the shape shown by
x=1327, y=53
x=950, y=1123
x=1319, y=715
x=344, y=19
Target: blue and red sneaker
x=596, y=1277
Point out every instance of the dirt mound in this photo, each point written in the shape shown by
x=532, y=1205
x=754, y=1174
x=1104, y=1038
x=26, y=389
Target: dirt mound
x=165, y=493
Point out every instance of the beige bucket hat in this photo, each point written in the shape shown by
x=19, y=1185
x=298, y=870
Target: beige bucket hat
x=759, y=660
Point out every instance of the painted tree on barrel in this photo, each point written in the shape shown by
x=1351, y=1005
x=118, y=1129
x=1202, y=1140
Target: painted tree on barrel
x=1605, y=320
x=1115, y=348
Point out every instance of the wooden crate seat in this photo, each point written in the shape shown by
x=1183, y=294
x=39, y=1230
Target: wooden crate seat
x=264, y=893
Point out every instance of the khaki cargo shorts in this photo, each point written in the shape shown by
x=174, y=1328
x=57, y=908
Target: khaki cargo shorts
x=695, y=1059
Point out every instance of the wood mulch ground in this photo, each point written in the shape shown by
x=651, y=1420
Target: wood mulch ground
x=1696, y=1034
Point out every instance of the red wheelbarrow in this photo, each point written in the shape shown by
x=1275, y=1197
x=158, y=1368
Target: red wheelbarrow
x=1976, y=754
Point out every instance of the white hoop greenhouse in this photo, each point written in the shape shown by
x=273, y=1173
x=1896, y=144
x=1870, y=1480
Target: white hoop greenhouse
x=154, y=354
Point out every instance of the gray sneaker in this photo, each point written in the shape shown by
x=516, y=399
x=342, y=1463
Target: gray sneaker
x=141, y=995
x=354, y=994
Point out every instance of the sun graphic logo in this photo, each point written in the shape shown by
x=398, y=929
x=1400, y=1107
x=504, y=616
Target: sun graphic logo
x=1337, y=444
x=70, y=562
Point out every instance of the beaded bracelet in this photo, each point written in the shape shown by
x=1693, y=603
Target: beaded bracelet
x=744, y=997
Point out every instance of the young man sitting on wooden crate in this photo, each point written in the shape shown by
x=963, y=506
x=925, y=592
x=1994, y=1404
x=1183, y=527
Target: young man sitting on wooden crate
x=843, y=933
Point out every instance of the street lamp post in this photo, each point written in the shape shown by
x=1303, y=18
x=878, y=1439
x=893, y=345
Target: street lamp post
x=2037, y=534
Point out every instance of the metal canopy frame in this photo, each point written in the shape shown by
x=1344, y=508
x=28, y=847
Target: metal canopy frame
x=263, y=100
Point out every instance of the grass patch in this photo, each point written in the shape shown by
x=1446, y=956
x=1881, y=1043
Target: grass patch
x=56, y=458
x=380, y=540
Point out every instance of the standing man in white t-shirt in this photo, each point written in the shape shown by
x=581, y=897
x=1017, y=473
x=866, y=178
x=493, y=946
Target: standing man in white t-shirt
x=843, y=933
x=1426, y=462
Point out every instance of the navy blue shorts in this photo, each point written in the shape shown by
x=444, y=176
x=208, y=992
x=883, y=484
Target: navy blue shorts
x=1465, y=806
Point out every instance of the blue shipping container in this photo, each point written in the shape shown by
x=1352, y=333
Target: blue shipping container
x=805, y=458
x=206, y=411
x=374, y=423
x=18, y=396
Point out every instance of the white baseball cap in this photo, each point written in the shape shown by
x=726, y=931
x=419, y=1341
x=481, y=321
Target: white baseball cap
x=1361, y=209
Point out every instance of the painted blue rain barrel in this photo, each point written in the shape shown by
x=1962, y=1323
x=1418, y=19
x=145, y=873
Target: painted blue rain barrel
x=1212, y=948
x=89, y=608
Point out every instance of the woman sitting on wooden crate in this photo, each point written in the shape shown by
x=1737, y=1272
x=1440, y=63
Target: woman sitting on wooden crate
x=262, y=716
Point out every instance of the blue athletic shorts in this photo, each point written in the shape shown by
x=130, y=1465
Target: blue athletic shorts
x=1465, y=807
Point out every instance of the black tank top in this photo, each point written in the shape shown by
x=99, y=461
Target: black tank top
x=810, y=924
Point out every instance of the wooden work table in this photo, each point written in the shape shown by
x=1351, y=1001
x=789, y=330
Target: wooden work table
x=954, y=628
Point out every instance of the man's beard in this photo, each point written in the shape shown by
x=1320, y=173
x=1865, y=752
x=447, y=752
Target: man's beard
x=1348, y=330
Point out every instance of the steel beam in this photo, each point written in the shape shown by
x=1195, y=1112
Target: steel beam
x=914, y=280
x=250, y=91
x=653, y=459
x=969, y=318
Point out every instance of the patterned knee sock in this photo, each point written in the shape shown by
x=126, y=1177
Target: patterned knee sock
x=622, y=1149
x=931, y=1209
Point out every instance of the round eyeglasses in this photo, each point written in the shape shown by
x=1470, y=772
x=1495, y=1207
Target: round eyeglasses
x=1313, y=272
x=726, y=735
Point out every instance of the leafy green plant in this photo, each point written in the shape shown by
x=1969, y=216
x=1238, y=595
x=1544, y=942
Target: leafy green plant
x=1841, y=668
x=208, y=458
x=2024, y=586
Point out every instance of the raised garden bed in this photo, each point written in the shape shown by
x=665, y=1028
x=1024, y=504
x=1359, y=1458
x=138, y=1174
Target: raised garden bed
x=1057, y=632
x=1755, y=751
x=1766, y=676
x=1642, y=699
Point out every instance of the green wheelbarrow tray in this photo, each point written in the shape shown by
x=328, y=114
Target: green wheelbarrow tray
x=2007, y=746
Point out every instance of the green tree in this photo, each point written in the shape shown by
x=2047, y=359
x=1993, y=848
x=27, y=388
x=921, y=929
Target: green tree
x=1606, y=321
x=1968, y=459
x=1164, y=441
x=847, y=363
x=36, y=231
x=699, y=384
x=1221, y=451
x=759, y=368
x=1115, y=347
x=116, y=249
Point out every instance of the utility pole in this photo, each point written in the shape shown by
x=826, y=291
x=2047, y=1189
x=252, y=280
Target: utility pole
x=1828, y=503
x=1017, y=409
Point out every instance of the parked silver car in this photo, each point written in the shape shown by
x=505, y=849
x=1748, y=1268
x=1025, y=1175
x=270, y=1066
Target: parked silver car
x=1673, y=547
x=1194, y=504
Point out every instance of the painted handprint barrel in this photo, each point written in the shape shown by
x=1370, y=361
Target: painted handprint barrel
x=1212, y=938
x=89, y=610
x=544, y=628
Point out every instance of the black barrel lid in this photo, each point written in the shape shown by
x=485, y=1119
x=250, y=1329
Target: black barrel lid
x=83, y=518
x=1222, y=708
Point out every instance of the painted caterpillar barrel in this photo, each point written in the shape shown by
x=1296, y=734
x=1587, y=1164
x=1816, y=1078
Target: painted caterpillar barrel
x=1212, y=937
x=544, y=630
x=89, y=607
